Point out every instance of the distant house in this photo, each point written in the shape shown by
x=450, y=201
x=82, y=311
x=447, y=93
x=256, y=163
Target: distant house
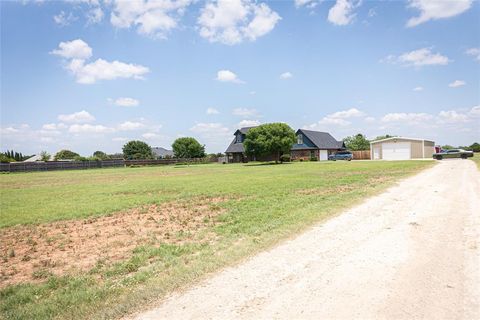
x=34, y=158
x=161, y=153
x=37, y=157
x=310, y=144
x=315, y=144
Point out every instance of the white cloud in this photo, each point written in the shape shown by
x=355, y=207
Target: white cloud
x=408, y=118
x=286, y=75
x=345, y=114
x=418, y=58
x=245, y=112
x=338, y=118
x=150, y=17
x=104, y=70
x=119, y=139
x=248, y=123
x=452, y=116
x=77, y=117
x=126, y=102
x=440, y=9
x=232, y=21
x=76, y=49
x=228, y=76
x=9, y=130
x=62, y=19
x=212, y=111
x=94, y=16
x=475, y=111
x=209, y=128
x=457, y=83
x=342, y=13
x=418, y=89
x=87, y=73
x=54, y=126
x=88, y=128
x=150, y=135
x=369, y=119
x=130, y=125
x=307, y=3
x=423, y=57
x=49, y=126
x=475, y=52
x=301, y=3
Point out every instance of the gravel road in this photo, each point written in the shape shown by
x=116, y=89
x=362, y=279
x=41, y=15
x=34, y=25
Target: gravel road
x=412, y=252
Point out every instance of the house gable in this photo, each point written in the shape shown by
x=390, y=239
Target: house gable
x=320, y=140
x=306, y=143
x=236, y=146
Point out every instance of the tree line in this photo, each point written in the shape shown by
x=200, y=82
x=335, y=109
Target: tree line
x=266, y=139
x=11, y=155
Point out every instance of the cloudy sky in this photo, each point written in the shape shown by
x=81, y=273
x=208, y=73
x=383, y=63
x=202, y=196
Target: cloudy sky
x=90, y=75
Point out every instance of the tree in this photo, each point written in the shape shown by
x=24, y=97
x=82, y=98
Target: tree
x=137, y=149
x=65, y=155
x=44, y=156
x=188, y=147
x=270, y=138
x=475, y=147
x=383, y=137
x=5, y=159
x=447, y=147
x=100, y=155
x=357, y=142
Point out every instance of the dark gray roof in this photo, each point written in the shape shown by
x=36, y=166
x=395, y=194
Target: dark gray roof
x=323, y=140
x=162, y=152
x=237, y=147
x=245, y=130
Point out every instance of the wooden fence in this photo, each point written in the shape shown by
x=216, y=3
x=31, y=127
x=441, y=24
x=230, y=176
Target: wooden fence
x=78, y=165
x=361, y=155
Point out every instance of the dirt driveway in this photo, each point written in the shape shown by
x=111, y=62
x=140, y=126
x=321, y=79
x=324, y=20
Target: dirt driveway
x=411, y=253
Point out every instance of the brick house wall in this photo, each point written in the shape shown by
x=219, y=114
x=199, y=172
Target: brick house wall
x=304, y=154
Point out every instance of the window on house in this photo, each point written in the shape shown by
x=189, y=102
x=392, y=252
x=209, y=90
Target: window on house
x=300, y=139
x=239, y=138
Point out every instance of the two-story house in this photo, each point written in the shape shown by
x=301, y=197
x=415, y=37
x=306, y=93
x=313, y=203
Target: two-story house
x=315, y=144
x=310, y=144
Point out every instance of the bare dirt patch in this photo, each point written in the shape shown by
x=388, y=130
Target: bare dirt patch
x=325, y=191
x=32, y=253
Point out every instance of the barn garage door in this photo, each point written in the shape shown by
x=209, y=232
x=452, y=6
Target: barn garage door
x=396, y=151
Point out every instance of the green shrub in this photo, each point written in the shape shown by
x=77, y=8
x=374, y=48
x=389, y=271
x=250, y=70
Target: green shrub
x=285, y=158
x=100, y=155
x=313, y=159
x=5, y=159
x=66, y=155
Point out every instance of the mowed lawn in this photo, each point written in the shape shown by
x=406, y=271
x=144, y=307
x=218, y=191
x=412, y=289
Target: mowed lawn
x=476, y=158
x=172, y=226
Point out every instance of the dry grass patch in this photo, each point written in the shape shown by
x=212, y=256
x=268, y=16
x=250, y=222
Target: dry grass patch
x=326, y=191
x=33, y=253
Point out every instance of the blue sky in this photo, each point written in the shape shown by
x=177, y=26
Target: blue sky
x=90, y=75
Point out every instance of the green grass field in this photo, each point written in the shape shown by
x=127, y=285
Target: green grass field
x=261, y=205
x=476, y=159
